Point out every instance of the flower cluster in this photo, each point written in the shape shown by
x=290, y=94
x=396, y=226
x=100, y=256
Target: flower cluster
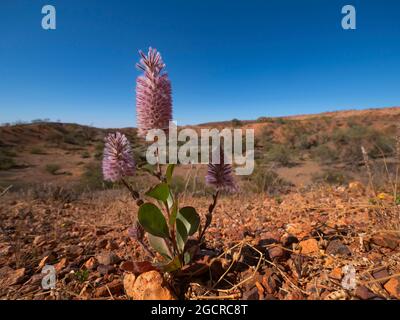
x=219, y=174
x=153, y=94
x=118, y=161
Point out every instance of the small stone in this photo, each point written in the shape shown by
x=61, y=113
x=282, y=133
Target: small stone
x=150, y=286
x=107, y=258
x=115, y=288
x=105, y=269
x=276, y=252
x=336, y=274
x=356, y=186
x=10, y=277
x=129, y=281
x=101, y=243
x=386, y=240
x=393, y=287
x=309, y=246
x=91, y=264
x=381, y=274
x=251, y=294
x=336, y=247
x=364, y=293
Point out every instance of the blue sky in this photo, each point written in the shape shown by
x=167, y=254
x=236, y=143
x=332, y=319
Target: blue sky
x=226, y=58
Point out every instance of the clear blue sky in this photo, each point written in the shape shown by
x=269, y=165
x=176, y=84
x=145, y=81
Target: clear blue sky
x=226, y=58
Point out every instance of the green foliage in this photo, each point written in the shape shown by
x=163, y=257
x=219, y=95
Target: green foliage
x=6, y=163
x=82, y=275
x=280, y=154
x=92, y=178
x=324, y=154
x=236, y=122
x=85, y=155
x=169, y=239
x=152, y=220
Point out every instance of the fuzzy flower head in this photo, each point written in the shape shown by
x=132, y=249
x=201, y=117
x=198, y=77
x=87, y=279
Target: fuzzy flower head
x=118, y=161
x=153, y=94
x=220, y=175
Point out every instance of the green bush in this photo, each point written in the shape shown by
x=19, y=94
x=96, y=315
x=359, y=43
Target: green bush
x=85, y=155
x=265, y=180
x=6, y=163
x=280, y=154
x=92, y=178
x=324, y=154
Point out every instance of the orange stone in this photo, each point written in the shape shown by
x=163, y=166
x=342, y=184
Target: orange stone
x=393, y=287
x=309, y=246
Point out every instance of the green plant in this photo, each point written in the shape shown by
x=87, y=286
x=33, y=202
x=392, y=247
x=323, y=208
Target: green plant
x=280, y=153
x=82, y=275
x=6, y=163
x=85, y=155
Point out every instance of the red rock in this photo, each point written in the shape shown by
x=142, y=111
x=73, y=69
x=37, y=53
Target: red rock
x=91, y=264
x=129, y=281
x=386, y=240
x=151, y=286
x=309, y=246
x=276, y=252
x=364, y=293
x=336, y=247
x=393, y=287
x=381, y=274
x=336, y=274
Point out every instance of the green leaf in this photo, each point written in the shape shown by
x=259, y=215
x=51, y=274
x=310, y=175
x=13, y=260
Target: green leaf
x=190, y=219
x=175, y=264
x=160, y=245
x=152, y=220
x=159, y=192
x=174, y=212
x=169, y=172
x=181, y=235
x=187, y=257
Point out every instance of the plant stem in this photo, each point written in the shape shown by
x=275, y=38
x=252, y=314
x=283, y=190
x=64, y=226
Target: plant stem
x=209, y=216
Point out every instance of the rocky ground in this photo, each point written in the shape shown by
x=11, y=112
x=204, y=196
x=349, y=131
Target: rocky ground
x=303, y=245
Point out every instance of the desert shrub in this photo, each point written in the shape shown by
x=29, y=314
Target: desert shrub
x=263, y=119
x=280, y=154
x=37, y=150
x=85, y=155
x=236, y=122
x=351, y=139
x=8, y=153
x=266, y=180
x=50, y=192
x=324, y=154
x=6, y=163
x=332, y=177
x=98, y=154
x=52, y=168
x=74, y=138
x=92, y=178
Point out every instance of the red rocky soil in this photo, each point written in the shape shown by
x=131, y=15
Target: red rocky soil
x=294, y=247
